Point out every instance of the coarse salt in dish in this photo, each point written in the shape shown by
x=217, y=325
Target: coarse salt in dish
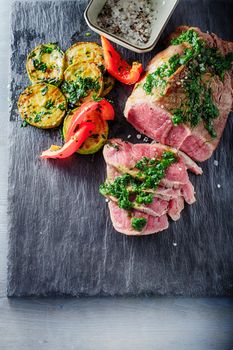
x=136, y=25
x=130, y=20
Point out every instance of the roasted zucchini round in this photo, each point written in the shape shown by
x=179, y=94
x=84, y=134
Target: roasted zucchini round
x=82, y=81
x=42, y=105
x=109, y=82
x=46, y=63
x=96, y=141
x=85, y=52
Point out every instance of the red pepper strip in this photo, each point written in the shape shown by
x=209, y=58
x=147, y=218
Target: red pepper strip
x=106, y=110
x=72, y=145
x=118, y=67
x=84, y=113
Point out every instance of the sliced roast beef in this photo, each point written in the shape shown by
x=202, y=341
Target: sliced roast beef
x=176, y=205
x=121, y=154
x=168, y=197
x=158, y=207
x=153, y=113
x=122, y=221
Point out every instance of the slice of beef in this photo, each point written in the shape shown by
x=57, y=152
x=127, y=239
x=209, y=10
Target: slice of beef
x=188, y=193
x=161, y=192
x=176, y=205
x=158, y=207
x=121, y=154
x=152, y=114
x=122, y=221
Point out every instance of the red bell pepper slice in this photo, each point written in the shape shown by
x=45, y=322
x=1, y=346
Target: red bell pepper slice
x=106, y=110
x=72, y=145
x=84, y=113
x=118, y=67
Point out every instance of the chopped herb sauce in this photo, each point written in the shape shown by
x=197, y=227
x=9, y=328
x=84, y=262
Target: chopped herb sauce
x=37, y=118
x=96, y=98
x=44, y=90
x=24, y=124
x=38, y=65
x=138, y=223
x=132, y=190
x=78, y=89
x=46, y=49
x=49, y=104
x=62, y=106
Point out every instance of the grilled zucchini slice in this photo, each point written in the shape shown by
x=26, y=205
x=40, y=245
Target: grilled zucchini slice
x=42, y=105
x=46, y=63
x=85, y=52
x=82, y=81
x=96, y=141
x=109, y=82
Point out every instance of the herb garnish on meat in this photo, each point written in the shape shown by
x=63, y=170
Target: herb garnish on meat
x=132, y=190
x=138, y=223
x=199, y=60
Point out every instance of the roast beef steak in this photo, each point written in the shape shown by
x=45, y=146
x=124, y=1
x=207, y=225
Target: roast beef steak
x=185, y=96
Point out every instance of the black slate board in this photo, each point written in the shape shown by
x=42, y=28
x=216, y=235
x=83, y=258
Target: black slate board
x=61, y=239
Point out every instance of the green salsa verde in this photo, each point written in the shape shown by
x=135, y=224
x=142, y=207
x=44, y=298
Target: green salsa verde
x=130, y=190
x=199, y=60
x=79, y=88
x=138, y=223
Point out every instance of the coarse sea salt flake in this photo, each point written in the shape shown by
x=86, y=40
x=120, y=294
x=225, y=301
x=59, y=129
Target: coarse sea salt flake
x=174, y=244
x=215, y=162
x=218, y=185
x=128, y=137
x=139, y=136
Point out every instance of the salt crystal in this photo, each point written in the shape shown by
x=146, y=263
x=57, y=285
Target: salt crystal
x=175, y=244
x=106, y=200
x=218, y=185
x=145, y=139
x=215, y=162
x=128, y=137
x=139, y=136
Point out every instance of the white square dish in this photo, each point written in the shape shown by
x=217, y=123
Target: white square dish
x=163, y=10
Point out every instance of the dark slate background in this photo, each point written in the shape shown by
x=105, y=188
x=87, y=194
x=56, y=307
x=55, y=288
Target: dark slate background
x=61, y=239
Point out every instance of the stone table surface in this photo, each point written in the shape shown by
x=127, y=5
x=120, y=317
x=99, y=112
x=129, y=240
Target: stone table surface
x=98, y=323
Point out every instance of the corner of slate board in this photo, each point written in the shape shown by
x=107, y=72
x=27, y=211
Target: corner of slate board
x=61, y=240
